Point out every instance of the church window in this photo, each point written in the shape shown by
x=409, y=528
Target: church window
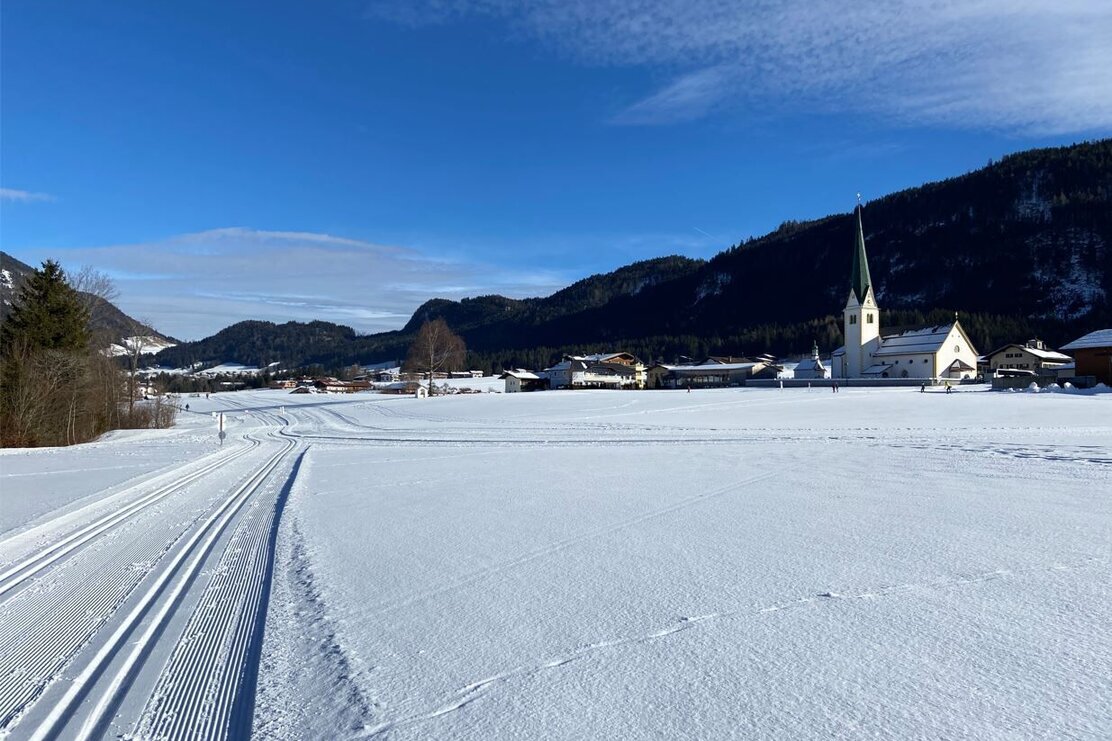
x=924, y=360
x=852, y=319
x=957, y=348
x=869, y=318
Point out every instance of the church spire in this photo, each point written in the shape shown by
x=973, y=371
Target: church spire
x=859, y=279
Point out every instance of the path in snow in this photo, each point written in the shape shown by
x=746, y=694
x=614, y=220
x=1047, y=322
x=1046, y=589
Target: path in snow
x=146, y=620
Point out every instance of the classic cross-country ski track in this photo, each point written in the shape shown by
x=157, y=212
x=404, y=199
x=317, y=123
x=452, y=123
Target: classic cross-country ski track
x=145, y=620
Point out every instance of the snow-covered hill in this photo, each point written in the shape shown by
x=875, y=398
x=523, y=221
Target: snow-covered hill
x=143, y=344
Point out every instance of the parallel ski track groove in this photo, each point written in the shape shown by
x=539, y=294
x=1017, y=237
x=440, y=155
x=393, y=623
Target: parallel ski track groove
x=167, y=590
x=189, y=704
x=28, y=567
x=35, y=649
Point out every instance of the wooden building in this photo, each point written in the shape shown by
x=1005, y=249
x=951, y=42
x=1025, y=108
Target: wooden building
x=1092, y=355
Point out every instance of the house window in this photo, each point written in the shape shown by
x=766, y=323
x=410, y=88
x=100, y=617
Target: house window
x=869, y=318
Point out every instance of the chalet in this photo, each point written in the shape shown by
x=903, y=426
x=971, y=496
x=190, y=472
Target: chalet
x=336, y=386
x=1093, y=355
x=601, y=370
x=1034, y=355
x=519, y=380
x=939, y=351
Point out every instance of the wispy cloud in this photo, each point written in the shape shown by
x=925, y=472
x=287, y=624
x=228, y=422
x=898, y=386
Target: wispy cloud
x=1018, y=65
x=24, y=196
x=195, y=284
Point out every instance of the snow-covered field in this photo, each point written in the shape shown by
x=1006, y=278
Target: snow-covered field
x=723, y=563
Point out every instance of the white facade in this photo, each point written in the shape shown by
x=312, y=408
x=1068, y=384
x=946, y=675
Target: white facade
x=861, y=321
x=941, y=351
x=1034, y=355
x=516, y=379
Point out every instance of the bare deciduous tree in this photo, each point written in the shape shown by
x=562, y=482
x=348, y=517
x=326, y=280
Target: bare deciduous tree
x=436, y=349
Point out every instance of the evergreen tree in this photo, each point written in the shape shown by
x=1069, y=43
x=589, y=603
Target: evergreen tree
x=47, y=315
x=44, y=364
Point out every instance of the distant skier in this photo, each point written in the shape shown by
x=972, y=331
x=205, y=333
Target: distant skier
x=187, y=407
x=834, y=387
x=949, y=388
x=923, y=388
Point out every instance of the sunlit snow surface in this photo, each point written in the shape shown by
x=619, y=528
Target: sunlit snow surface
x=733, y=563
x=745, y=563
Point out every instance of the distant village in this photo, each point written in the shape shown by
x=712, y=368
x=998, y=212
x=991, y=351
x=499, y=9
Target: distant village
x=902, y=356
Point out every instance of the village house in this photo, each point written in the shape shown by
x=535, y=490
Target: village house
x=466, y=374
x=1092, y=355
x=519, y=380
x=941, y=351
x=1034, y=355
x=601, y=370
x=388, y=375
x=336, y=386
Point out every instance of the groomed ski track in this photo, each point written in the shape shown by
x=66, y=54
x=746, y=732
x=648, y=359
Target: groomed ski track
x=146, y=621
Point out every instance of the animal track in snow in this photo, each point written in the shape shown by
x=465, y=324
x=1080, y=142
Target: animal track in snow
x=475, y=690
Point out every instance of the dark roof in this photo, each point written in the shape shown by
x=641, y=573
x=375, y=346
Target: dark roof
x=859, y=279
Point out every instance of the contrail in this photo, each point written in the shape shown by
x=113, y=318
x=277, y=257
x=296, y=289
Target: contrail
x=704, y=233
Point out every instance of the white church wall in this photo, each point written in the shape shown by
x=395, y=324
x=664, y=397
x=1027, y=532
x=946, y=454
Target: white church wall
x=956, y=348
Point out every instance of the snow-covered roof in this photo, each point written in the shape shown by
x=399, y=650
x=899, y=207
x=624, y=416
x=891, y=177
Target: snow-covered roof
x=810, y=364
x=522, y=375
x=713, y=367
x=1050, y=356
x=1100, y=338
x=922, y=340
x=602, y=357
x=876, y=369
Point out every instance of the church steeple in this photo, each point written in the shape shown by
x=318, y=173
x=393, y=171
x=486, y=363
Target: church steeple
x=859, y=279
x=861, y=315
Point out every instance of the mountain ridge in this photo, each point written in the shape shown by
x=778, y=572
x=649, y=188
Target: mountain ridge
x=1019, y=247
x=104, y=317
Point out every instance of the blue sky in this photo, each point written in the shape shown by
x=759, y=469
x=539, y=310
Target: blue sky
x=348, y=160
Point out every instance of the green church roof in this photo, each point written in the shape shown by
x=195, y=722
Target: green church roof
x=859, y=279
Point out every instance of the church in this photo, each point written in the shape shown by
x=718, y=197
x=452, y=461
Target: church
x=943, y=351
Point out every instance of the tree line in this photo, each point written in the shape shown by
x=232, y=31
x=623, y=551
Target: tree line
x=58, y=383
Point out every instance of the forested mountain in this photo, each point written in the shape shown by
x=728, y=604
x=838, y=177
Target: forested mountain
x=105, y=318
x=1019, y=248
